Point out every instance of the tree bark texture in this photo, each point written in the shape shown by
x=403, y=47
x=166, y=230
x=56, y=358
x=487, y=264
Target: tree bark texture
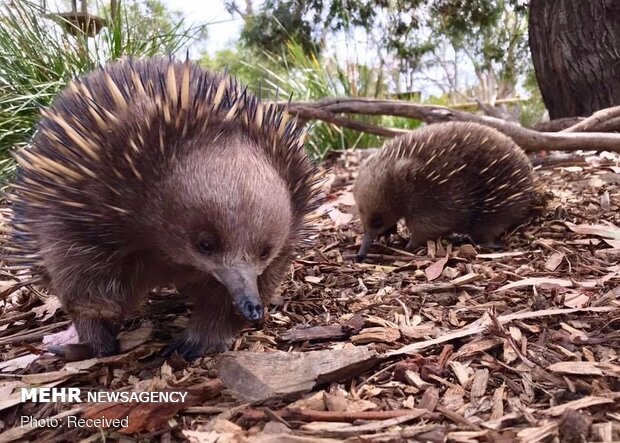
x=575, y=46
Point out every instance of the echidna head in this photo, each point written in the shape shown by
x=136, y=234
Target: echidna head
x=229, y=216
x=374, y=204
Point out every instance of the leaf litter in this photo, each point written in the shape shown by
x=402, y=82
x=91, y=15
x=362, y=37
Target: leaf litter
x=445, y=343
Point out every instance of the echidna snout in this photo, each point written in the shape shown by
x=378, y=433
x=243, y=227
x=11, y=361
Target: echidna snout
x=377, y=216
x=240, y=280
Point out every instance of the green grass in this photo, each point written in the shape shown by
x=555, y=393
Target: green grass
x=39, y=57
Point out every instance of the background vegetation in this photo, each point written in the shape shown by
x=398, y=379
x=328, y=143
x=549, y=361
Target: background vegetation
x=446, y=52
x=38, y=57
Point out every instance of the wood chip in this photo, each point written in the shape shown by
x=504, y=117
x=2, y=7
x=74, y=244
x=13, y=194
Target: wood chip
x=582, y=403
x=376, y=335
x=256, y=376
x=576, y=368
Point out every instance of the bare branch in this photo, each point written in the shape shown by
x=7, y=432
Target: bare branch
x=310, y=113
x=595, y=120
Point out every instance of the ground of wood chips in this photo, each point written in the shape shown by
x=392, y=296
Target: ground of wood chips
x=449, y=343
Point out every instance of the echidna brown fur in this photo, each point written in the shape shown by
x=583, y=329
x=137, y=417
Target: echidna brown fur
x=445, y=178
x=153, y=172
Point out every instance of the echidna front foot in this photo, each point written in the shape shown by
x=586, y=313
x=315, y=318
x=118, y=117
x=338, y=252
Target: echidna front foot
x=97, y=339
x=494, y=245
x=213, y=326
x=192, y=348
x=489, y=240
x=417, y=239
x=412, y=244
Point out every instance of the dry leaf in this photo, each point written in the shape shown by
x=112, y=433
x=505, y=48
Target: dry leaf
x=435, y=270
x=554, y=261
x=606, y=231
x=68, y=336
x=17, y=363
x=339, y=218
x=48, y=309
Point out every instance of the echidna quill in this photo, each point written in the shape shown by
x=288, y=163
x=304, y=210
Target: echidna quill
x=445, y=178
x=154, y=172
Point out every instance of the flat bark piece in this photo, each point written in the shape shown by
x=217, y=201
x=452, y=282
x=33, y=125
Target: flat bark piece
x=258, y=376
x=331, y=332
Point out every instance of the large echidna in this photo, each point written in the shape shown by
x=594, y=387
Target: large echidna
x=154, y=172
x=445, y=178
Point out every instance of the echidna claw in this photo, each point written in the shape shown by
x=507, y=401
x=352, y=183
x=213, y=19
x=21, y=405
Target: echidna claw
x=189, y=351
x=72, y=352
x=492, y=245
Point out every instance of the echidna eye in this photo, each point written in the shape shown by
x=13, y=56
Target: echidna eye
x=265, y=253
x=206, y=247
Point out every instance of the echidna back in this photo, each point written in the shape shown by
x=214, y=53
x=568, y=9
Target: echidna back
x=460, y=175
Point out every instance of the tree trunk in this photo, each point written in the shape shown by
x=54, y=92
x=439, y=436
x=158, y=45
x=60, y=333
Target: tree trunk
x=575, y=47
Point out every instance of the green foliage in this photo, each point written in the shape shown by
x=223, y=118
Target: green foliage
x=491, y=33
x=277, y=22
x=304, y=21
x=148, y=27
x=413, y=33
x=38, y=58
x=533, y=109
x=241, y=62
x=308, y=78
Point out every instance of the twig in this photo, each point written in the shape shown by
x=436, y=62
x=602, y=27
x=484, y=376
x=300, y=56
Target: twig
x=367, y=427
x=308, y=415
x=16, y=317
x=478, y=328
x=457, y=418
x=376, y=374
x=33, y=334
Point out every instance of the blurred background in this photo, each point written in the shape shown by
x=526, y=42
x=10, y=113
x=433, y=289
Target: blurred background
x=446, y=52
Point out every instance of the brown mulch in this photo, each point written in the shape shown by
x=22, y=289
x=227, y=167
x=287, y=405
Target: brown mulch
x=449, y=343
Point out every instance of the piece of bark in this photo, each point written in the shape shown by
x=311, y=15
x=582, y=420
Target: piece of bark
x=257, y=376
x=331, y=332
x=376, y=334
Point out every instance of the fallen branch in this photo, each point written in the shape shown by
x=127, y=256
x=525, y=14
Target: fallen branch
x=328, y=117
x=528, y=139
x=557, y=124
x=596, y=120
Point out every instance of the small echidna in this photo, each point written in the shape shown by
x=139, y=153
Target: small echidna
x=153, y=172
x=445, y=178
